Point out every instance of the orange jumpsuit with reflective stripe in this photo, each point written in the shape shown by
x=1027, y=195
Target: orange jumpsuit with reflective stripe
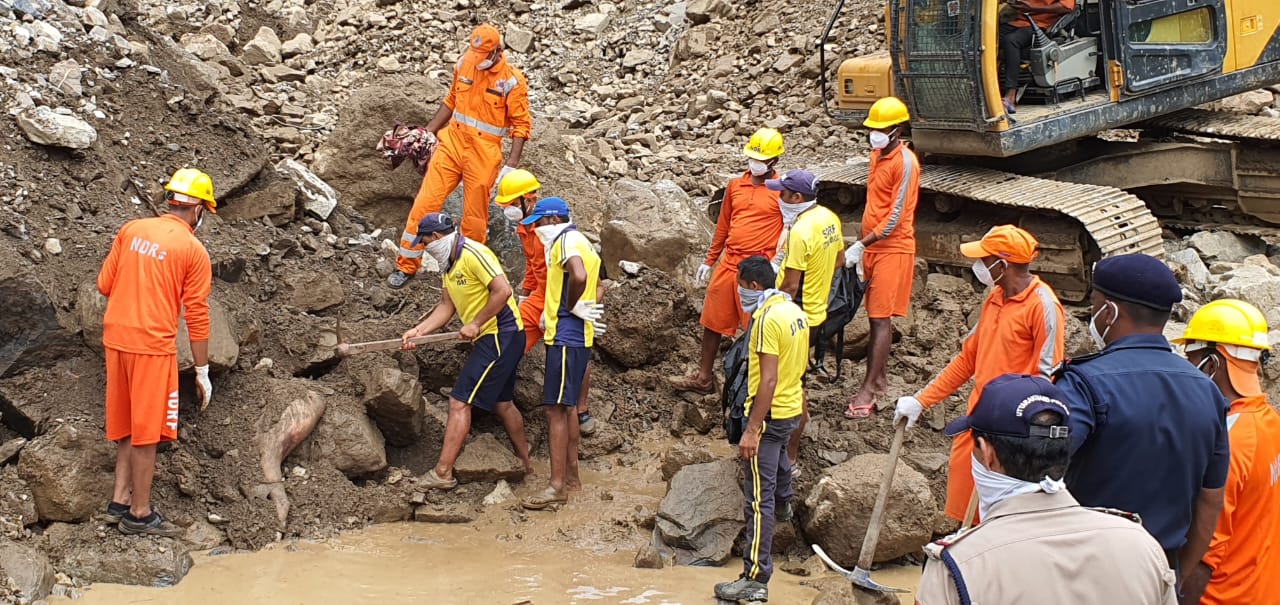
x=1021, y=335
x=749, y=224
x=535, y=283
x=487, y=106
x=893, y=188
x=1245, y=552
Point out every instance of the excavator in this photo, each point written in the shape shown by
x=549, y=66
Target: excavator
x=1108, y=146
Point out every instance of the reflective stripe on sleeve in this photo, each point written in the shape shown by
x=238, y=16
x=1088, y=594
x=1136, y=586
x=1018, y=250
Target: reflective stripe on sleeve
x=1046, y=362
x=908, y=168
x=407, y=253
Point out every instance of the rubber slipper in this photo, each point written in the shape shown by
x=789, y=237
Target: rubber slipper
x=861, y=411
x=543, y=499
x=433, y=481
x=691, y=384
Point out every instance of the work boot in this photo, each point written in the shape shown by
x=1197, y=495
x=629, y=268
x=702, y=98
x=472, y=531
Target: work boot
x=783, y=513
x=742, y=589
x=115, y=510
x=152, y=525
x=397, y=279
x=586, y=424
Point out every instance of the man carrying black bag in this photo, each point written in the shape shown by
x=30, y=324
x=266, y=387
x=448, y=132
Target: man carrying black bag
x=778, y=353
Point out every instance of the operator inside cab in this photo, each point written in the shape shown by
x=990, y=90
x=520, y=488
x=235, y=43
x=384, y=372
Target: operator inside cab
x=1016, y=36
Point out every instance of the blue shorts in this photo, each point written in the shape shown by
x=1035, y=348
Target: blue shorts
x=566, y=369
x=489, y=375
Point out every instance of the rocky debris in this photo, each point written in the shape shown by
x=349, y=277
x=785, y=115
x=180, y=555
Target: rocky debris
x=65, y=76
x=394, y=400
x=839, y=507
x=701, y=515
x=202, y=535
x=485, y=459
x=119, y=559
x=69, y=470
x=9, y=450
x=263, y=49
x=654, y=224
x=1253, y=102
x=349, y=440
x=444, y=513
x=318, y=197
x=224, y=349
x=680, y=456
x=648, y=557
x=315, y=292
x=91, y=306
x=29, y=327
x=56, y=128
x=1254, y=284
x=300, y=44
x=1224, y=246
x=703, y=11
x=518, y=39
x=643, y=313
x=839, y=591
x=276, y=202
x=276, y=438
x=1189, y=268
x=606, y=440
x=29, y=569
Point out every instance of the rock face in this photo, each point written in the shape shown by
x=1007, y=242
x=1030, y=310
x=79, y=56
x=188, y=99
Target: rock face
x=654, y=224
x=485, y=459
x=350, y=441
x=44, y=126
x=840, y=507
x=224, y=349
x=28, y=568
x=69, y=471
x=29, y=326
x=642, y=313
x=701, y=515
x=394, y=400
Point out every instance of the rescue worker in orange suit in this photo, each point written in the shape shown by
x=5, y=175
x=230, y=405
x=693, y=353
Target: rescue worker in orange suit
x=1228, y=339
x=488, y=101
x=886, y=254
x=155, y=270
x=1020, y=330
x=518, y=195
x=750, y=224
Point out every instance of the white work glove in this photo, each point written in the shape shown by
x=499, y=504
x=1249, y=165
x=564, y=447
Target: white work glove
x=504, y=172
x=704, y=274
x=590, y=311
x=910, y=408
x=853, y=257
x=204, y=388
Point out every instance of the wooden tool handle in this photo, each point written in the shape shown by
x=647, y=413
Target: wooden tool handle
x=877, y=512
x=346, y=350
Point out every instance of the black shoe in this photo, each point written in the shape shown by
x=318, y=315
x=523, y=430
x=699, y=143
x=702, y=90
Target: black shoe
x=742, y=589
x=115, y=510
x=783, y=513
x=398, y=279
x=152, y=525
x=586, y=424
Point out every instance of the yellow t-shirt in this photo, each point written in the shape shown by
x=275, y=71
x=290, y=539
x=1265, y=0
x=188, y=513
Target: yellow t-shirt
x=563, y=327
x=779, y=328
x=811, y=247
x=467, y=281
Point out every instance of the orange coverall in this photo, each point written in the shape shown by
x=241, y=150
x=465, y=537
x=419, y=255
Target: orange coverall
x=1021, y=335
x=487, y=106
x=1245, y=552
x=535, y=283
x=893, y=188
x=750, y=223
x=155, y=269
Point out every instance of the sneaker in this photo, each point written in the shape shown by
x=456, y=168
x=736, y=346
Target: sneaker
x=153, y=525
x=742, y=589
x=115, y=510
x=398, y=279
x=586, y=424
x=783, y=513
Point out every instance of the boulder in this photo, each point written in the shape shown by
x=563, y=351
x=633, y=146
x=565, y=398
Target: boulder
x=1189, y=268
x=519, y=40
x=29, y=326
x=592, y=23
x=65, y=76
x=28, y=568
x=347, y=439
x=276, y=201
x=1252, y=102
x=680, y=456
x=703, y=11
x=315, y=291
x=69, y=471
x=637, y=57
x=644, y=315
x=485, y=459
x=1253, y=284
x=206, y=46
x=701, y=515
x=394, y=400
x=317, y=196
x=224, y=349
x=655, y=224
x=91, y=305
x=1226, y=247
x=298, y=45
x=9, y=450
x=263, y=49
x=839, y=508
x=45, y=126
x=119, y=559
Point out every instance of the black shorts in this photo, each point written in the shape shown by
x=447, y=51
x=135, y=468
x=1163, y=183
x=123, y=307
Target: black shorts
x=489, y=375
x=566, y=369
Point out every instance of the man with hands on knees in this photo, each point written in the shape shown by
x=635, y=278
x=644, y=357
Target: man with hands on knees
x=477, y=291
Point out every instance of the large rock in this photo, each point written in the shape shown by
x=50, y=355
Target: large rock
x=315, y=291
x=839, y=508
x=263, y=49
x=676, y=458
x=206, y=46
x=485, y=459
x=69, y=471
x=28, y=568
x=702, y=11
x=643, y=314
x=394, y=400
x=65, y=76
x=1223, y=246
x=1253, y=284
x=701, y=515
x=655, y=224
x=298, y=45
x=349, y=440
x=276, y=201
x=1252, y=102
x=44, y=126
x=29, y=327
x=517, y=39
x=224, y=349
x=119, y=559
x=318, y=197
x=1189, y=268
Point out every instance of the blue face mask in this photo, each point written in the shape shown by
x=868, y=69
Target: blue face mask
x=749, y=298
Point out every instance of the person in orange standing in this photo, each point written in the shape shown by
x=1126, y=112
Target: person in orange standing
x=155, y=270
x=1227, y=339
x=488, y=101
x=1020, y=330
x=886, y=254
x=750, y=224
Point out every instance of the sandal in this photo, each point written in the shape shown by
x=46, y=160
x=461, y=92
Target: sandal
x=543, y=499
x=691, y=384
x=433, y=481
x=861, y=411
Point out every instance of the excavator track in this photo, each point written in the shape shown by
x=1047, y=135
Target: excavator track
x=1106, y=220
x=1203, y=122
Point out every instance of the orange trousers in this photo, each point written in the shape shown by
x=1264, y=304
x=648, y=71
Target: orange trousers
x=472, y=160
x=531, y=316
x=142, y=397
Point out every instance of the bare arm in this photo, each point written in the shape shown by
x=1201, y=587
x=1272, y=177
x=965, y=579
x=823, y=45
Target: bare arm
x=577, y=280
x=791, y=281
x=440, y=119
x=1203, y=520
x=499, y=294
x=517, y=150
x=435, y=320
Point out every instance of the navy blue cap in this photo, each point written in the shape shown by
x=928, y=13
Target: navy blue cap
x=1007, y=405
x=799, y=181
x=1137, y=278
x=547, y=206
x=436, y=222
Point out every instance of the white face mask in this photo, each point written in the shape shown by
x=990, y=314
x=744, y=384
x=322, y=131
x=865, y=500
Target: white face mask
x=440, y=249
x=485, y=64
x=879, y=140
x=548, y=233
x=1100, y=338
x=749, y=299
x=513, y=212
x=791, y=211
x=993, y=488
x=983, y=273
x=757, y=167
x=1204, y=362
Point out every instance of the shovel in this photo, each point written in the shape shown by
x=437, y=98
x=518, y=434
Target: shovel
x=347, y=350
x=861, y=575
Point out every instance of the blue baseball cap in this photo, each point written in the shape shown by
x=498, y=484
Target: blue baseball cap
x=547, y=206
x=1007, y=405
x=436, y=222
x=799, y=181
x=1137, y=278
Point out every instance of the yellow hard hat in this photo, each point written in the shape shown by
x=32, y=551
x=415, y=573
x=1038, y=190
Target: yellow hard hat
x=191, y=187
x=764, y=145
x=517, y=183
x=888, y=111
x=1230, y=322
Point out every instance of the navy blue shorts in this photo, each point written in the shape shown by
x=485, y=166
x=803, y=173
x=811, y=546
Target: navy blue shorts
x=489, y=375
x=566, y=369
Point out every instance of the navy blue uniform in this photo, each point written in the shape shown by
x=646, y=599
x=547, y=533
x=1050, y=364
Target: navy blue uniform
x=1148, y=432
